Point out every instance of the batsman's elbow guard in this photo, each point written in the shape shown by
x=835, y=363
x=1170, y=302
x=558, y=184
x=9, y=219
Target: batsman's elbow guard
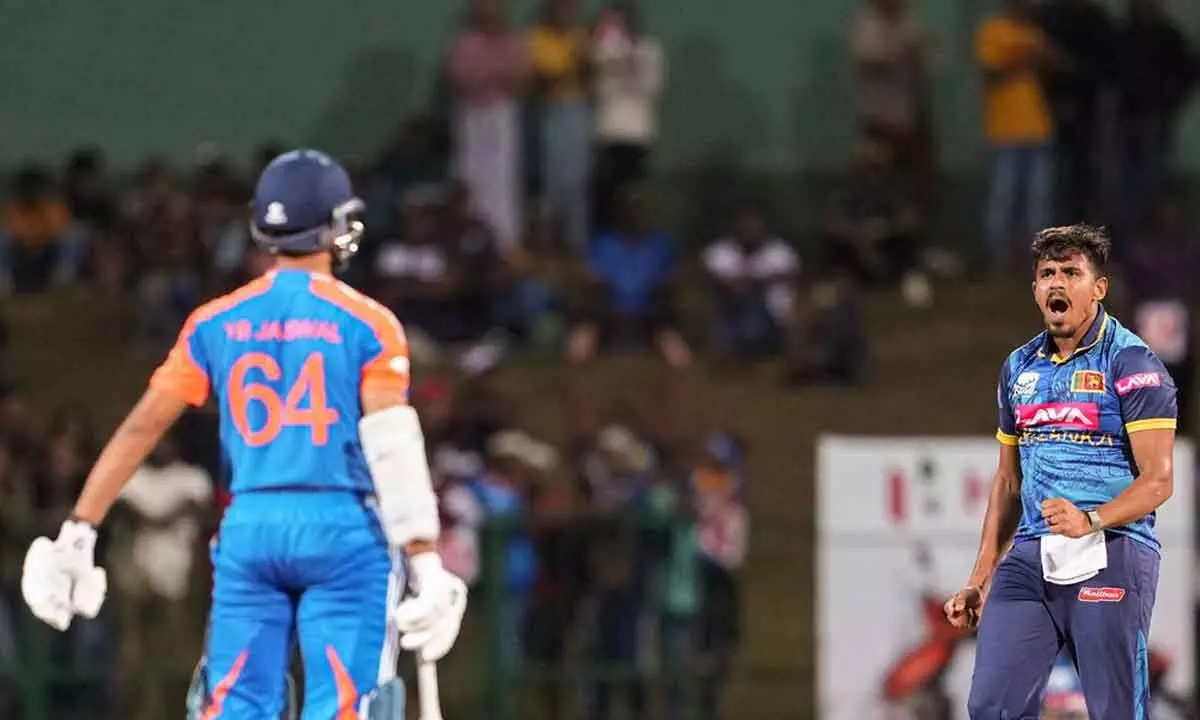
x=394, y=447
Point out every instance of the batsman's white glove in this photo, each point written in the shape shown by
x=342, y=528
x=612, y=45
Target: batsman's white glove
x=430, y=620
x=60, y=579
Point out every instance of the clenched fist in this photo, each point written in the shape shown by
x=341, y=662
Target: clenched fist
x=1064, y=518
x=963, y=609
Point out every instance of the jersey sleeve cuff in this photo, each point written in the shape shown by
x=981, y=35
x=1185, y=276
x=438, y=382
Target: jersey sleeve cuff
x=194, y=394
x=1005, y=438
x=1151, y=424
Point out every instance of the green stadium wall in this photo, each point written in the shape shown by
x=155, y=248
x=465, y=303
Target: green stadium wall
x=765, y=83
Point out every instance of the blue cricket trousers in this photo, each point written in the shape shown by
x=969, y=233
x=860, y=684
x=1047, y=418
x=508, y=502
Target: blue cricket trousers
x=1103, y=622
x=308, y=565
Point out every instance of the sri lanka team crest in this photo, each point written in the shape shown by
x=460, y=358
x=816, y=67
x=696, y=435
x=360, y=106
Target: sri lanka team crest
x=1087, y=381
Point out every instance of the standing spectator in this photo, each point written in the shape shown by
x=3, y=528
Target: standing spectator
x=38, y=243
x=1162, y=267
x=558, y=46
x=488, y=66
x=502, y=491
x=167, y=497
x=1083, y=31
x=723, y=526
x=888, y=45
x=1155, y=76
x=618, y=472
x=754, y=274
x=632, y=273
x=1013, y=51
x=629, y=69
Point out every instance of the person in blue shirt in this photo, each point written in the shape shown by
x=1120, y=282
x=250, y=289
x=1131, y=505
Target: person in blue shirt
x=1087, y=417
x=630, y=302
x=332, y=503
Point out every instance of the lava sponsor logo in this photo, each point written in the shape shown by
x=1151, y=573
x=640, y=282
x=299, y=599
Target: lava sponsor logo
x=1075, y=416
x=1101, y=594
x=1129, y=383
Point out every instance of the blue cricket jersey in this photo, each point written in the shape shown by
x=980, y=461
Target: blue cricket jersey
x=288, y=356
x=1072, y=417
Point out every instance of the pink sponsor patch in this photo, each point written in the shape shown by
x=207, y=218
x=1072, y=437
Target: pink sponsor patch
x=1075, y=416
x=1129, y=383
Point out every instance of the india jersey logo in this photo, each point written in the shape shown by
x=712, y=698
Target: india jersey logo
x=1087, y=381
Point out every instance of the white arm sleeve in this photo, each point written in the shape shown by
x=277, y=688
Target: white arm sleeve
x=394, y=447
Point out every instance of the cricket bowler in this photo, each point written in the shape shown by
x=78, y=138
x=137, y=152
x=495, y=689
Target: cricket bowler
x=1087, y=433
x=332, y=504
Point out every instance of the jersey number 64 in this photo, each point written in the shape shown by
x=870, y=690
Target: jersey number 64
x=280, y=412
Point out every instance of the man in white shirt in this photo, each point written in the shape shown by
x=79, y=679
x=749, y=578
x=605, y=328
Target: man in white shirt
x=628, y=70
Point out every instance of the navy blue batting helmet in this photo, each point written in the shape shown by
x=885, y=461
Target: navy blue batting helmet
x=304, y=203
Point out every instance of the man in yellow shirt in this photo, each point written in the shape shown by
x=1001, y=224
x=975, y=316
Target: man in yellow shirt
x=558, y=46
x=1012, y=51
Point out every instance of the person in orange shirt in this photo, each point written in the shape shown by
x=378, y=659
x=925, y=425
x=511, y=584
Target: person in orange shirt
x=1012, y=52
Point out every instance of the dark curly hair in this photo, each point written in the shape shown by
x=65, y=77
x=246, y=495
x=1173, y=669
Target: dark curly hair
x=1060, y=243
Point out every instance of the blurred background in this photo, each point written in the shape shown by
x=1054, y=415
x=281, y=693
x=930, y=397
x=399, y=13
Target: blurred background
x=707, y=302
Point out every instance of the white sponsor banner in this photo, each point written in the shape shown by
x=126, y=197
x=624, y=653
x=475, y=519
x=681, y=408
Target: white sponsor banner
x=898, y=529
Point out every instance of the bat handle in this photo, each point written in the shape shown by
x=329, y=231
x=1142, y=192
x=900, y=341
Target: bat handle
x=427, y=689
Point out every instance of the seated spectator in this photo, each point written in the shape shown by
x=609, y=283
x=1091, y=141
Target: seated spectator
x=531, y=310
x=831, y=344
x=87, y=190
x=629, y=300
x=224, y=232
x=483, y=274
x=754, y=275
x=440, y=276
x=875, y=226
x=171, y=282
x=38, y=243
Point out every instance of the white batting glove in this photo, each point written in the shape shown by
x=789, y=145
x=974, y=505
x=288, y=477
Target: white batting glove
x=429, y=621
x=60, y=579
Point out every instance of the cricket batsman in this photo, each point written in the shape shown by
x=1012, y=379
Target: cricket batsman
x=1087, y=433
x=332, y=504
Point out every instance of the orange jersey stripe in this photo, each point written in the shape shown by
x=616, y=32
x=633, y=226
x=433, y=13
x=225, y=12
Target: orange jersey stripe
x=180, y=375
x=390, y=368
x=217, y=701
x=347, y=694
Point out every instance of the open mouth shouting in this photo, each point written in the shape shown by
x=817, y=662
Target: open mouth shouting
x=1057, y=308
